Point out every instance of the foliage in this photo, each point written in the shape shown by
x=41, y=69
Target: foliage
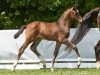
x=15, y=13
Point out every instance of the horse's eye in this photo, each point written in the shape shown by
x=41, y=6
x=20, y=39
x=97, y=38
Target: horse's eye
x=77, y=13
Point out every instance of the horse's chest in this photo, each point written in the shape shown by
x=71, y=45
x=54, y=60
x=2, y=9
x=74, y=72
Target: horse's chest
x=64, y=33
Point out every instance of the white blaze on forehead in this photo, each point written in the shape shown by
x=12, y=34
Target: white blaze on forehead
x=77, y=11
x=99, y=13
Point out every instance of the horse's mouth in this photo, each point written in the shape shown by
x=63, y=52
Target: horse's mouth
x=80, y=20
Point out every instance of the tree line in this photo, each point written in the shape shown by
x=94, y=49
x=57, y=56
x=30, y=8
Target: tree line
x=15, y=13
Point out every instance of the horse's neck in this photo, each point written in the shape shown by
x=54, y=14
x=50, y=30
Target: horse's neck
x=65, y=20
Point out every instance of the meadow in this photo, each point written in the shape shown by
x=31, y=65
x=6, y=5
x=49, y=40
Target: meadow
x=82, y=71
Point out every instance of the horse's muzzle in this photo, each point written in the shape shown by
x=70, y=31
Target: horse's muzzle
x=80, y=20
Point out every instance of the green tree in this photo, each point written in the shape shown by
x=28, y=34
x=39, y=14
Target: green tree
x=15, y=13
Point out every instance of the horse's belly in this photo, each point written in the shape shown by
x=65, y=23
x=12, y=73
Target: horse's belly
x=48, y=37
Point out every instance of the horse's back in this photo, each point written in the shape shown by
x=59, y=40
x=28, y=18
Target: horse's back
x=40, y=23
x=40, y=27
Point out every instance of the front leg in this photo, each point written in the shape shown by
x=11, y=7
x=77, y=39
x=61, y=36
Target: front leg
x=71, y=45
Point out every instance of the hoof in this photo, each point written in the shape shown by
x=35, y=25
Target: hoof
x=78, y=66
x=98, y=65
x=13, y=69
x=98, y=68
x=52, y=69
x=44, y=66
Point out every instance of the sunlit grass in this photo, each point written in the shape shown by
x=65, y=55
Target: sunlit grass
x=55, y=72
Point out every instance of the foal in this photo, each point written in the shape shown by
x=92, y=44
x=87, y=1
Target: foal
x=57, y=31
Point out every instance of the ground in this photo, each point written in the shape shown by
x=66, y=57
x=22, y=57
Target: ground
x=55, y=72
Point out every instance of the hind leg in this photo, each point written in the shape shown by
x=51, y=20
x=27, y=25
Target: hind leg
x=21, y=50
x=55, y=53
x=68, y=43
x=33, y=48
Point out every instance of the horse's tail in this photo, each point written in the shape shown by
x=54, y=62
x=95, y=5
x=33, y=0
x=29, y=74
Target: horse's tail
x=20, y=31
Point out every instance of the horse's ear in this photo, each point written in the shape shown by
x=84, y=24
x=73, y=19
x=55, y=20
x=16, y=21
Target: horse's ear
x=75, y=6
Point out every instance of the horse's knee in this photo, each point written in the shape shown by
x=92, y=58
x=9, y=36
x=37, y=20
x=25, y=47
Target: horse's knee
x=34, y=45
x=74, y=47
x=31, y=47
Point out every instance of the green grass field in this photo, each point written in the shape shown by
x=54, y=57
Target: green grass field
x=55, y=72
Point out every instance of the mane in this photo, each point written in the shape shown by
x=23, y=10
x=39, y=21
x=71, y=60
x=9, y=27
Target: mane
x=99, y=14
x=61, y=19
x=84, y=27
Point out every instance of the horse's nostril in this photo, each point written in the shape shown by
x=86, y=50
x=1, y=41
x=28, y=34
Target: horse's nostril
x=80, y=20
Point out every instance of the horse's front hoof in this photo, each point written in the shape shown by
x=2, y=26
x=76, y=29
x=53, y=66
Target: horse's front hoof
x=98, y=68
x=12, y=69
x=52, y=70
x=78, y=66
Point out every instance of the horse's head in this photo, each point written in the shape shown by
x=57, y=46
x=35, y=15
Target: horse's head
x=75, y=13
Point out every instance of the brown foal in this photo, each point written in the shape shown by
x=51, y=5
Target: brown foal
x=57, y=31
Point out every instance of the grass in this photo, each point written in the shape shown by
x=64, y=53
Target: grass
x=56, y=72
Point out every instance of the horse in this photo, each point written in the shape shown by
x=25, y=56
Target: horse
x=97, y=54
x=55, y=31
x=85, y=26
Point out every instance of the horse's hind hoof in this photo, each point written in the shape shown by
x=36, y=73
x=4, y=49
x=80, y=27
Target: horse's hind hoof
x=44, y=66
x=78, y=66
